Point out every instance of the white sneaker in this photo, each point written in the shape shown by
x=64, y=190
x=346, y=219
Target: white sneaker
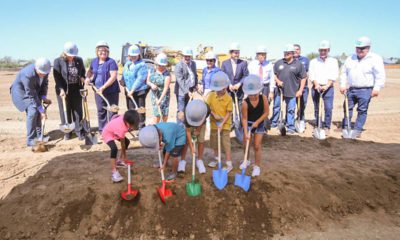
x=242, y=166
x=181, y=166
x=116, y=177
x=200, y=166
x=213, y=163
x=121, y=164
x=228, y=167
x=256, y=171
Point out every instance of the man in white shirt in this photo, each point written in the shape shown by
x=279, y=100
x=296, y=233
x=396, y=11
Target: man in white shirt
x=324, y=71
x=362, y=76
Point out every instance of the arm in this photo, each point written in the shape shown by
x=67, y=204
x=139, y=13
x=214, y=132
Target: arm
x=189, y=140
x=89, y=74
x=166, y=87
x=244, y=119
x=140, y=78
x=32, y=93
x=380, y=75
x=343, y=79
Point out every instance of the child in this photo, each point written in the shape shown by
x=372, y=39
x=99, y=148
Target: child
x=196, y=113
x=255, y=110
x=116, y=130
x=221, y=108
x=171, y=135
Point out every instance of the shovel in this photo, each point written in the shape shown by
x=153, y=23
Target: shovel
x=90, y=137
x=67, y=127
x=139, y=110
x=163, y=191
x=281, y=124
x=41, y=141
x=220, y=176
x=158, y=106
x=130, y=193
x=319, y=133
x=300, y=125
x=242, y=180
x=236, y=120
x=347, y=133
x=111, y=108
x=193, y=188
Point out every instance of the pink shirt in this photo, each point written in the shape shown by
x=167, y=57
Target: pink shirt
x=115, y=129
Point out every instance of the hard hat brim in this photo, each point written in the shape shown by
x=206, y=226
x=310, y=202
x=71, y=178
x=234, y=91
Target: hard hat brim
x=252, y=92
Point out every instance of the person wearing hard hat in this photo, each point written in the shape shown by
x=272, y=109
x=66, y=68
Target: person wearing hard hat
x=28, y=91
x=169, y=136
x=324, y=70
x=236, y=69
x=196, y=113
x=159, y=80
x=102, y=73
x=362, y=77
x=208, y=72
x=134, y=77
x=221, y=107
x=69, y=75
x=290, y=77
x=255, y=110
x=265, y=70
x=306, y=63
x=186, y=82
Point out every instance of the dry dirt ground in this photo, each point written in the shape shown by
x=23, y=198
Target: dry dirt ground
x=309, y=189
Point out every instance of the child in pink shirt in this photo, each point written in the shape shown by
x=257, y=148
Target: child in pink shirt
x=116, y=130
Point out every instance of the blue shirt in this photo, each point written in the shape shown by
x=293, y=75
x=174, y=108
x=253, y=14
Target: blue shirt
x=106, y=67
x=173, y=135
x=135, y=75
x=99, y=79
x=207, y=75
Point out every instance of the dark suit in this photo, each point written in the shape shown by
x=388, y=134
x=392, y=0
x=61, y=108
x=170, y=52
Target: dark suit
x=241, y=73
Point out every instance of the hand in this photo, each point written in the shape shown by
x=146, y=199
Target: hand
x=279, y=83
x=374, y=93
x=343, y=90
x=87, y=81
x=231, y=88
x=324, y=88
x=193, y=151
x=220, y=127
x=247, y=135
x=196, y=132
x=158, y=102
x=317, y=86
x=62, y=93
x=154, y=87
x=130, y=94
x=43, y=116
x=237, y=86
x=122, y=83
x=200, y=89
x=161, y=146
x=217, y=117
x=100, y=90
x=191, y=94
x=47, y=101
x=255, y=125
x=299, y=93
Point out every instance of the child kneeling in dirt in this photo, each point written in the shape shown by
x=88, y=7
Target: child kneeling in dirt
x=221, y=109
x=116, y=130
x=255, y=110
x=196, y=113
x=169, y=134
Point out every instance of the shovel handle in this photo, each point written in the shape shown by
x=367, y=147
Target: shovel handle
x=247, y=148
x=101, y=95
x=219, y=145
x=320, y=110
x=65, y=109
x=194, y=161
x=346, y=102
x=83, y=92
x=160, y=161
x=131, y=97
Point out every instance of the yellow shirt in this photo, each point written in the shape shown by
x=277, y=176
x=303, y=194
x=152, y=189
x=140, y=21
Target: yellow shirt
x=220, y=106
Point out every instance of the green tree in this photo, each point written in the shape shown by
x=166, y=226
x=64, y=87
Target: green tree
x=312, y=55
x=87, y=62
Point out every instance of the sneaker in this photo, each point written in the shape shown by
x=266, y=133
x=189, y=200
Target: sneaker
x=256, y=171
x=213, y=163
x=290, y=132
x=242, y=166
x=170, y=176
x=355, y=134
x=116, y=177
x=121, y=163
x=181, y=166
x=228, y=167
x=200, y=166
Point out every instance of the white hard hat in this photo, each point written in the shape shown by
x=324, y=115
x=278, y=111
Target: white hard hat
x=234, y=46
x=324, y=44
x=252, y=85
x=70, y=49
x=162, y=59
x=43, y=65
x=289, y=48
x=219, y=81
x=363, y=42
x=102, y=44
x=133, y=51
x=148, y=136
x=187, y=51
x=211, y=55
x=261, y=49
x=196, y=112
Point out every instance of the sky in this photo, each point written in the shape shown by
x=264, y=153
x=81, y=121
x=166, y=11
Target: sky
x=39, y=28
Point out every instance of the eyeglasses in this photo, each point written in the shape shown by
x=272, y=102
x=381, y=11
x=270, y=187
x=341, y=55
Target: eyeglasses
x=102, y=50
x=210, y=60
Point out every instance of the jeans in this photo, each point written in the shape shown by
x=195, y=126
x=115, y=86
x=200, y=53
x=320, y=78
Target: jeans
x=33, y=124
x=290, y=109
x=328, y=106
x=276, y=108
x=362, y=97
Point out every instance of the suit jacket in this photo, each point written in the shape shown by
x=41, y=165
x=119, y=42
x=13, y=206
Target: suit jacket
x=26, y=89
x=241, y=70
x=60, y=73
x=183, y=82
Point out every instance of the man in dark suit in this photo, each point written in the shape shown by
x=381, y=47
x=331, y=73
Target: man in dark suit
x=236, y=69
x=28, y=91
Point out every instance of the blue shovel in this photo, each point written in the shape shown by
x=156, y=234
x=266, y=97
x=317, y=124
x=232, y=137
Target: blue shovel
x=220, y=176
x=241, y=180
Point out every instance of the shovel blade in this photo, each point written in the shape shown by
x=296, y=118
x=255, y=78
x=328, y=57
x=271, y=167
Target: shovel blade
x=130, y=194
x=39, y=147
x=239, y=134
x=300, y=126
x=319, y=134
x=164, y=192
x=347, y=133
x=220, y=178
x=282, y=129
x=242, y=181
x=90, y=139
x=67, y=128
x=193, y=189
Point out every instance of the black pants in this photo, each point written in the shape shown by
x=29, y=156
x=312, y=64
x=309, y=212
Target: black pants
x=114, y=148
x=73, y=101
x=140, y=99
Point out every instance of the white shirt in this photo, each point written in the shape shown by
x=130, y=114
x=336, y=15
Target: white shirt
x=267, y=72
x=367, y=72
x=322, y=71
x=234, y=66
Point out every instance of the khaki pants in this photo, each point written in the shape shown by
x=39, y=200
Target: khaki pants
x=225, y=140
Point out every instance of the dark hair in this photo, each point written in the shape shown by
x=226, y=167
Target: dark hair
x=297, y=45
x=132, y=118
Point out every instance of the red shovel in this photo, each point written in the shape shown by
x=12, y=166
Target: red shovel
x=163, y=191
x=130, y=193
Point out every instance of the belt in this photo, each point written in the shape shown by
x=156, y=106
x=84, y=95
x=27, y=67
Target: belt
x=361, y=87
x=266, y=84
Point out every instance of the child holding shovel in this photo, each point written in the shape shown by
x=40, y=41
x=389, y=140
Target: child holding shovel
x=116, y=130
x=255, y=110
x=170, y=136
x=221, y=107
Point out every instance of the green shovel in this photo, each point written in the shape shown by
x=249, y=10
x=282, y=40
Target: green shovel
x=193, y=188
